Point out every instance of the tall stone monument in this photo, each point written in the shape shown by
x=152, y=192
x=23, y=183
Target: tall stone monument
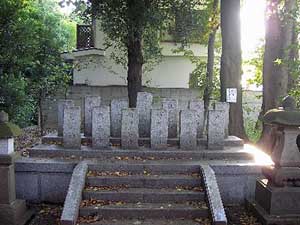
x=12, y=210
x=144, y=105
x=90, y=102
x=198, y=106
x=159, y=129
x=277, y=198
x=101, y=127
x=71, y=127
x=116, y=107
x=61, y=105
x=215, y=129
x=225, y=107
x=171, y=106
x=130, y=129
x=188, y=129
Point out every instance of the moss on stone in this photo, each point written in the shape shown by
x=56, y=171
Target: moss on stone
x=282, y=117
x=8, y=130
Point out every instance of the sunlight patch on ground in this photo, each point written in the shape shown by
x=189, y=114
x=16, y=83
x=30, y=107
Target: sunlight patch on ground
x=260, y=157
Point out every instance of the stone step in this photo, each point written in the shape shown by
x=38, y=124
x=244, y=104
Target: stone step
x=145, y=181
x=147, y=210
x=153, y=167
x=183, y=221
x=145, y=195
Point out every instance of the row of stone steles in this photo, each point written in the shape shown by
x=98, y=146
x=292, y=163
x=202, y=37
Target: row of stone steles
x=145, y=121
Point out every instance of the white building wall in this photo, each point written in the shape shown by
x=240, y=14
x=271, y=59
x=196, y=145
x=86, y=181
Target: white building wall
x=96, y=68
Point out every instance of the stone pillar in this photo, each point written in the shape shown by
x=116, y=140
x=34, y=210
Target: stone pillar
x=144, y=105
x=12, y=211
x=215, y=129
x=101, y=127
x=198, y=106
x=224, y=106
x=188, y=130
x=171, y=106
x=62, y=103
x=159, y=129
x=89, y=103
x=71, y=128
x=130, y=129
x=117, y=105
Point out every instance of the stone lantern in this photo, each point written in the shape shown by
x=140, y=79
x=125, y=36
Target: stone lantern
x=12, y=211
x=277, y=198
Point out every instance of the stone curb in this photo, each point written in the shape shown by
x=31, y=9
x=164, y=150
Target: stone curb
x=87, y=152
x=231, y=141
x=213, y=196
x=237, y=169
x=74, y=196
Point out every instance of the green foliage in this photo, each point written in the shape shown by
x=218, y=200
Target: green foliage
x=204, y=17
x=190, y=23
x=153, y=21
x=253, y=129
x=295, y=92
x=257, y=63
x=35, y=35
x=8, y=130
x=198, y=75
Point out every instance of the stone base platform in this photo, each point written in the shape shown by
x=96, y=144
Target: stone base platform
x=276, y=205
x=231, y=141
x=267, y=219
x=15, y=214
x=47, y=179
x=283, y=176
x=143, y=153
x=277, y=200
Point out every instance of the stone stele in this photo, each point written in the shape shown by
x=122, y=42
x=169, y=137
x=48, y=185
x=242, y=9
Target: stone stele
x=198, y=106
x=89, y=103
x=171, y=106
x=188, y=129
x=159, y=129
x=71, y=128
x=224, y=106
x=215, y=129
x=144, y=105
x=116, y=107
x=130, y=129
x=101, y=127
x=62, y=103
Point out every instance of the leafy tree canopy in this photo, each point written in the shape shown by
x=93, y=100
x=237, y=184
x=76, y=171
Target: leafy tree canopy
x=33, y=34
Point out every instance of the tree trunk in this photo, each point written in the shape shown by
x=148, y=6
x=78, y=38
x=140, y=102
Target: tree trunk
x=210, y=63
x=275, y=74
x=135, y=69
x=287, y=39
x=230, y=74
x=293, y=55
